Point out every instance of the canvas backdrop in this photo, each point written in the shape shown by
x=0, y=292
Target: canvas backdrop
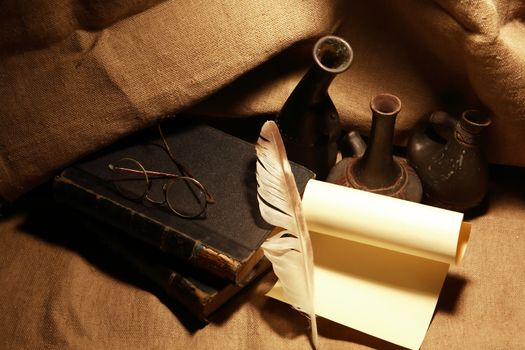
x=77, y=75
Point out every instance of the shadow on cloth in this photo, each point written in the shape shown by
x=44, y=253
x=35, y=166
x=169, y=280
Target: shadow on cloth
x=48, y=221
x=450, y=293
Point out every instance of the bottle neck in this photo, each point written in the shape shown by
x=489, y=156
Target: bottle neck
x=306, y=115
x=377, y=167
x=470, y=127
x=379, y=150
x=314, y=85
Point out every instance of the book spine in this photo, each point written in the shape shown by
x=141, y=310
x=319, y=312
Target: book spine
x=152, y=232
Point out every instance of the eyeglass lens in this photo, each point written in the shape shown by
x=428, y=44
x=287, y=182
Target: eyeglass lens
x=132, y=184
x=186, y=197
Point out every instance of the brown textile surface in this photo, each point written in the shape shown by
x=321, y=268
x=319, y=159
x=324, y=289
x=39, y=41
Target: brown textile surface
x=76, y=75
x=60, y=290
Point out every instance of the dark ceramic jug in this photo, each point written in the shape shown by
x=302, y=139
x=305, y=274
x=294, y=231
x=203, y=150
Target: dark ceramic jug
x=374, y=168
x=446, y=154
x=308, y=121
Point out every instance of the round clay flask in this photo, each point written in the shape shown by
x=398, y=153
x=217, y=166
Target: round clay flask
x=446, y=154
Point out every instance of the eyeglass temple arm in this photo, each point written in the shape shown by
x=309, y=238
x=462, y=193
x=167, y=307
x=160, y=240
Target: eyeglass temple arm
x=135, y=171
x=209, y=197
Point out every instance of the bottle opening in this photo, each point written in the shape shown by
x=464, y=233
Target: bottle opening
x=476, y=118
x=333, y=54
x=385, y=104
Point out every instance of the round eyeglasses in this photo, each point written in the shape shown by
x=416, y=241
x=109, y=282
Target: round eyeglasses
x=185, y=196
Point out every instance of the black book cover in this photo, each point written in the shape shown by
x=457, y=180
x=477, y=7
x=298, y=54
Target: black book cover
x=226, y=242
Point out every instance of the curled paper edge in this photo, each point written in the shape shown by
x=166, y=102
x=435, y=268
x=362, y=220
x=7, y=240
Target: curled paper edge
x=386, y=222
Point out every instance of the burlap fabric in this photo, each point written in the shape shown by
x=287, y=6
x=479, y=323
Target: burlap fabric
x=77, y=75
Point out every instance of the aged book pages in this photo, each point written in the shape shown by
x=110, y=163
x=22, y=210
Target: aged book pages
x=380, y=262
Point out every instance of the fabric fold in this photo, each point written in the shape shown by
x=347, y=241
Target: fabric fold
x=75, y=78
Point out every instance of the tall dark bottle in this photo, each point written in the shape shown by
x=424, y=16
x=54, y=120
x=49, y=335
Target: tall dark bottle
x=309, y=122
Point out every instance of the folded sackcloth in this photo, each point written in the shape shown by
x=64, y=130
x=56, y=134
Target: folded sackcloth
x=76, y=76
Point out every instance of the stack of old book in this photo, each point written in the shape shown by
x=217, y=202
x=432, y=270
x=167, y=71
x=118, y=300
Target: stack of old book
x=200, y=261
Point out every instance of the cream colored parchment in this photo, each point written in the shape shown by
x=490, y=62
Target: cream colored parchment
x=380, y=262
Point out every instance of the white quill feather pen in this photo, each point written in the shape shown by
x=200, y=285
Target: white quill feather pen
x=290, y=251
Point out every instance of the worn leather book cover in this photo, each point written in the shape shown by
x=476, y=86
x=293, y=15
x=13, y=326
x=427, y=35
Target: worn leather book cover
x=226, y=241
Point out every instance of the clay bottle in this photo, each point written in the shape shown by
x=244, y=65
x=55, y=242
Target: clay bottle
x=308, y=121
x=375, y=168
x=445, y=152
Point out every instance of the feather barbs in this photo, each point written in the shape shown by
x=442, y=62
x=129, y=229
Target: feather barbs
x=290, y=251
